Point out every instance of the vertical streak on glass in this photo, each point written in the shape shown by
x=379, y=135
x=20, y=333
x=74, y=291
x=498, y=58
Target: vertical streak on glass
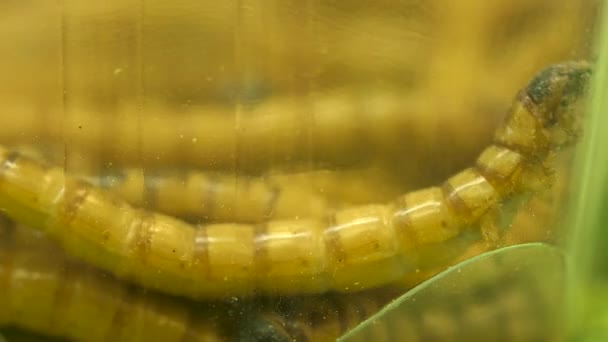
x=590, y=183
x=62, y=80
x=140, y=91
x=309, y=119
x=239, y=83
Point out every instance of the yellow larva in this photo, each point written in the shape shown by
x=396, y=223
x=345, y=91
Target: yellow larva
x=42, y=291
x=215, y=197
x=346, y=127
x=353, y=249
x=219, y=197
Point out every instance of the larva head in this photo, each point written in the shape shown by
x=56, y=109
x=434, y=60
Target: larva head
x=557, y=96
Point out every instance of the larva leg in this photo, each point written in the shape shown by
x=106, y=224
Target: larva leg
x=43, y=291
x=490, y=231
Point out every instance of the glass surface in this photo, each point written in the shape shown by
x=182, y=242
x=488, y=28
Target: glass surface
x=587, y=300
x=282, y=170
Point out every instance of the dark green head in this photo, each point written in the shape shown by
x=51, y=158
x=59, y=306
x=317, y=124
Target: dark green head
x=559, y=95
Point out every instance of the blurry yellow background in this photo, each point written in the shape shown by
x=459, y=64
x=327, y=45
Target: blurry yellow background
x=397, y=94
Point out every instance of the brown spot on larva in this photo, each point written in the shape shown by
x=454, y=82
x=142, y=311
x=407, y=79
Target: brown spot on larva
x=444, y=224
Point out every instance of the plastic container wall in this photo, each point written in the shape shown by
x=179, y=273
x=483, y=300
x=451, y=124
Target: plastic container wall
x=282, y=170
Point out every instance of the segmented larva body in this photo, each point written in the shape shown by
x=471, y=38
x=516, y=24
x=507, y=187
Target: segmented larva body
x=215, y=197
x=219, y=197
x=353, y=249
x=42, y=291
x=348, y=127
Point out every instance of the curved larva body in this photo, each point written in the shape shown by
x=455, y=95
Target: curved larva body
x=215, y=197
x=353, y=249
x=218, y=197
x=42, y=291
x=356, y=248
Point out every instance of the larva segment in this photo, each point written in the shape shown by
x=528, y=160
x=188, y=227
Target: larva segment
x=215, y=197
x=361, y=247
x=42, y=291
x=422, y=217
x=470, y=195
x=521, y=130
x=362, y=241
x=230, y=257
x=501, y=167
x=292, y=256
